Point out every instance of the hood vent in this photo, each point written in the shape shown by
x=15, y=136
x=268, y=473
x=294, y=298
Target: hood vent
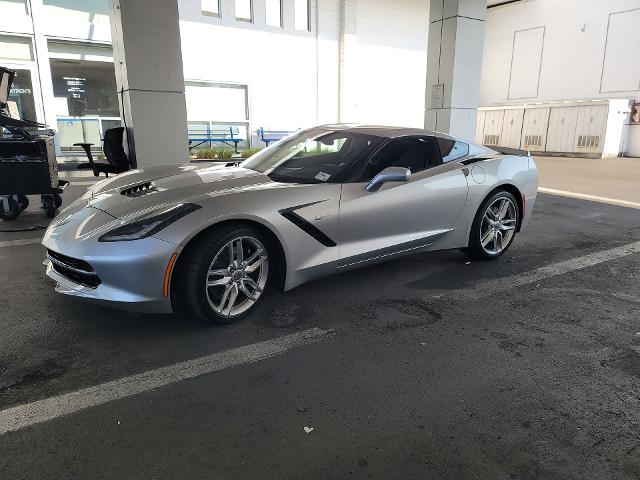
x=139, y=190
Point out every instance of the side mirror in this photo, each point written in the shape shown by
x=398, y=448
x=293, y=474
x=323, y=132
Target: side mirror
x=389, y=174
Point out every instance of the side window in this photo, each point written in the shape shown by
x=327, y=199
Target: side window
x=414, y=153
x=452, y=150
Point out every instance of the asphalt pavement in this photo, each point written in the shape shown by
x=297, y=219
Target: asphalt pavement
x=428, y=367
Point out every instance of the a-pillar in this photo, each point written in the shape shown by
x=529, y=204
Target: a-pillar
x=148, y=64
x=454, y=62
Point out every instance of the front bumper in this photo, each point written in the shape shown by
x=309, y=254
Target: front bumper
x=129, y=275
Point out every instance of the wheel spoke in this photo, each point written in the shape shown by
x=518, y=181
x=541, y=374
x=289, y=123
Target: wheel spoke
x=252, y=284
x=487, y=237
x=223, y=300
x=219, y=272
x=252, y=267
x=229, y=299
x=498, y=243
x=251, y=295
x=491, y=215
x=239, y=252
x=218, y=282
x=504, y=208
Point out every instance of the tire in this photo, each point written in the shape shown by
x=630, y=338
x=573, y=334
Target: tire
x=9, y=208
x=23, y=201
x=49, y=206
x=494, y=229
x=209, y=261
x=57, y=199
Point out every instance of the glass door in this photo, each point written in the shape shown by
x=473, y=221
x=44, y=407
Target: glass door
x=25, y=92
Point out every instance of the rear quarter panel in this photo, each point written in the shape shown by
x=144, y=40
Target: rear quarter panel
x=486, y=176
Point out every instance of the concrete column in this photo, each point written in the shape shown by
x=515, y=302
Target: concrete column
x=347, y=61
x=148, y=64
x=456, y=38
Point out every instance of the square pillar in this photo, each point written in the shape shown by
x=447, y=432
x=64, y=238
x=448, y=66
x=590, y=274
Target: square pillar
x=147, y=57
x=454, y=63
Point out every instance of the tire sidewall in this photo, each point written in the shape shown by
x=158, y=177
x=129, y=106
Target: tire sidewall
x=475, y=247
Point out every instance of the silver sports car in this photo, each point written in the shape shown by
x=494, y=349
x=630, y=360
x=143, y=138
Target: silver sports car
x=211, y=239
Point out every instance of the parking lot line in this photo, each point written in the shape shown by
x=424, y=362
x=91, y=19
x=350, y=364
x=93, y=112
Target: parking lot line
x=490, y=287
x=24, y=241
x=22, y=416
x=587, y=196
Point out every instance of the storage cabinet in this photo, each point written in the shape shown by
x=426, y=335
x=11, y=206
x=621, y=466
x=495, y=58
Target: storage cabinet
x=534, y=129
x=493, y=128
x=591, y=128
x=562, y=129
x=512, y=128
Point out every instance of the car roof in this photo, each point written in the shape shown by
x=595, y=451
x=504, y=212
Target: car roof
x=384, y=131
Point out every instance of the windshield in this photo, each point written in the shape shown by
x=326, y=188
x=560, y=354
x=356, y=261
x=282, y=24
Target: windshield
x=312, y=156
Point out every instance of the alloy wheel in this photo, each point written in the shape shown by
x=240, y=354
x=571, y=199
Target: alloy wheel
x=498, y=225
x=237, y=276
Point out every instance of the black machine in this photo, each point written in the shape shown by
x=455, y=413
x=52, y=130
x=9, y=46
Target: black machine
x=27, y=160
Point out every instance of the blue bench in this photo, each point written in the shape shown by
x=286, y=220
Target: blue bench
x=226, y=135
x=268, y=136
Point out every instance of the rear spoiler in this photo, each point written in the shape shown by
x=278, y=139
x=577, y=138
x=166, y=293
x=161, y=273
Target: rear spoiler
x=510, y=151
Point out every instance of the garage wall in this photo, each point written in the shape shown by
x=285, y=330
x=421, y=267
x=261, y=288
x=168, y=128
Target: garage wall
x=588, y=52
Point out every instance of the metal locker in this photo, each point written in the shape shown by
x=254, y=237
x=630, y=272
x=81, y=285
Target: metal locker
x=512, y=128
x=562, y=129
x=493, y=127
x=534, y=129
x=591, y=127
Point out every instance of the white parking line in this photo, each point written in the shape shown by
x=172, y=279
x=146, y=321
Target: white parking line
x=497, y=285
x=24, y=241
x=587, y=196
x=22, y=416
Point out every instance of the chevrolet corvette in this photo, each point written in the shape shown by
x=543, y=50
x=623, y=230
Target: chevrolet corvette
x=211, y=239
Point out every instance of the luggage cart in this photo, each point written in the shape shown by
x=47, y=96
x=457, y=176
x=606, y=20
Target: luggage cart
x=27, y=161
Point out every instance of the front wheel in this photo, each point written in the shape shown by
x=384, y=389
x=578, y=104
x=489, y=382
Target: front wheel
x=225, y=274
x=494, y=226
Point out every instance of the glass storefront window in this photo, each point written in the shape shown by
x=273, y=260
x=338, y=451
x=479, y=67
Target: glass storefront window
x=22, y=94
x=84, y=88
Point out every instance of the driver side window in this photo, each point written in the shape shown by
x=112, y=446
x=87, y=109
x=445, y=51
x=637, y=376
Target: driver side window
x=414, y=153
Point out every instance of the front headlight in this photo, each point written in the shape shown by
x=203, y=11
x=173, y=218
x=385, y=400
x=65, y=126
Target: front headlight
x=149, y=225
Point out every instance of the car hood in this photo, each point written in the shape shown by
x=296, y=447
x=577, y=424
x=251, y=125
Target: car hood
x=137, y=192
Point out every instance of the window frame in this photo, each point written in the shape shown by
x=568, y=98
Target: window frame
x=455, y=142
x=433, y=138
x=268, y=25
x=209, y=13
x=251, y=18
x=308, y=27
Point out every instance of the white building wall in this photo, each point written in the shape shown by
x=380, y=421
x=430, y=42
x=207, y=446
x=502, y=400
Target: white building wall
x=293, y=76
x=571, y=60
x=391, y=62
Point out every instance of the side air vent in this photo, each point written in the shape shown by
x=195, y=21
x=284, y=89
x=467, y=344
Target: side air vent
x=138, y=190
x=492, y=140
x=588, y=141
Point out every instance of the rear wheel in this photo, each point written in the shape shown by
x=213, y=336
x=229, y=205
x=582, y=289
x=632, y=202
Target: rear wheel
x=494, y=226
x=225, y=274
